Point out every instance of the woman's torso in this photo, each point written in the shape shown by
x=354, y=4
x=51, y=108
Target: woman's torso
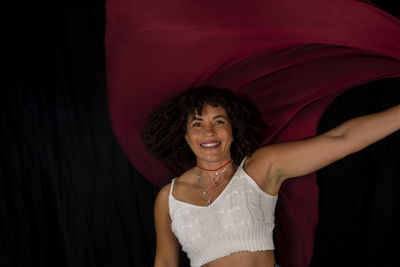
x=185, y=191
x=263, y=258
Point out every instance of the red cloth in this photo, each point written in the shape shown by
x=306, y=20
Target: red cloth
x=291, y=58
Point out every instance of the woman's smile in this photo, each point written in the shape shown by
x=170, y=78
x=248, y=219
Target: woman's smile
x=210, y=144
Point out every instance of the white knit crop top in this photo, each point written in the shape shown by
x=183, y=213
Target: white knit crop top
x=241, y=218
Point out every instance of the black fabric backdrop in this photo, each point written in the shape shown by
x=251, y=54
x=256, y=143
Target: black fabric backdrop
x=69, y=196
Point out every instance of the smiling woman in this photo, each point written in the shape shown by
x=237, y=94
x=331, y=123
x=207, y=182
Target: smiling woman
x=205, y=208
x=221, y=211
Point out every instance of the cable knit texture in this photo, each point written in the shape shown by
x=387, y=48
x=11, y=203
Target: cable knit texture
x=241, y=218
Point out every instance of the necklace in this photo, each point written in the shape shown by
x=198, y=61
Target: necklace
x=218, y=174
x=208, y=201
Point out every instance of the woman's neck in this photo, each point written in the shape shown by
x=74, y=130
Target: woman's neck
x=213, y=168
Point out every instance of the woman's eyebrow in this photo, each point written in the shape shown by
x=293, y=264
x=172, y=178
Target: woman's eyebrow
x=220, y=116
x=195, y=118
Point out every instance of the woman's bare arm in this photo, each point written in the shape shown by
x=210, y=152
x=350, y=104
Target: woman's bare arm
x=167, y=249
x=297, y=158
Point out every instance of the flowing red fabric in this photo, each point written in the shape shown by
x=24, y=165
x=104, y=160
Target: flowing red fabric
x=290, y=58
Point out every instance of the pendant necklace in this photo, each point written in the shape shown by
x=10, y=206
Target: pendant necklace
x=218, y=174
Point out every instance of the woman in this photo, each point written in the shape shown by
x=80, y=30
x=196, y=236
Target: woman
x=222, y=210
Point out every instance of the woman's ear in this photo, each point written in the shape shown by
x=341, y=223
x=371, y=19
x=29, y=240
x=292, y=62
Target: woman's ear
x=187, y=139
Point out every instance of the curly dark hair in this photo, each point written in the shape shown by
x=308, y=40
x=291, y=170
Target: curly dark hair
x=164, y=134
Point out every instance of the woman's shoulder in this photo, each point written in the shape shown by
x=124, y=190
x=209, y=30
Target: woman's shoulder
x=259, y=167
x=261, y=160
x=184, y=181
x=178, y=182
x=163, y=194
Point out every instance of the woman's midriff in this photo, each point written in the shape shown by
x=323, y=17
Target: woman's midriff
x=263, y=258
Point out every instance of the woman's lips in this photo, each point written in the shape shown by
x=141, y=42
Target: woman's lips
x=210, y=145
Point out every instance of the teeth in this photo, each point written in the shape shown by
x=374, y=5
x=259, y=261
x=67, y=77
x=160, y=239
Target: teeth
x=210, y=144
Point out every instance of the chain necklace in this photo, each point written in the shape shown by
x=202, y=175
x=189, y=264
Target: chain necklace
x=218, y=174
x=208, y=201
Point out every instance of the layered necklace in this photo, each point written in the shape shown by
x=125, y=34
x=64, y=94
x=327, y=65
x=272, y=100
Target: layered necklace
x=215, y=176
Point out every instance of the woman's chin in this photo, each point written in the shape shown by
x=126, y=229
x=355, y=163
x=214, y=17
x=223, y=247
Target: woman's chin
x=213, y=158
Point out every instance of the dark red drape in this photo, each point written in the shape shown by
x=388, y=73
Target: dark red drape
x=290, y=58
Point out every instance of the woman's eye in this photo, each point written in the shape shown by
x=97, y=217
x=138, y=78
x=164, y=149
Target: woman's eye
x=219, y=122
x=197, y=124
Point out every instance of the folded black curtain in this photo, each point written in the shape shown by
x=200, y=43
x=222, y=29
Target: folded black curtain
x=359, y=204
x=68, y=194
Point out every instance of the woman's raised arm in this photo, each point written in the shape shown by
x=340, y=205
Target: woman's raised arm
x=167, y=249
x=297, y=158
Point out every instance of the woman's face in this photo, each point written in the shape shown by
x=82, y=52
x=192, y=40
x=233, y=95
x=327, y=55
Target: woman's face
x=210, y=136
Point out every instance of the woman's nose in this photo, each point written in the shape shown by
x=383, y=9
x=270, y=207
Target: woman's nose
x=209, y=130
